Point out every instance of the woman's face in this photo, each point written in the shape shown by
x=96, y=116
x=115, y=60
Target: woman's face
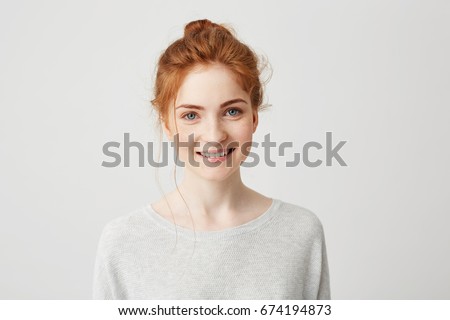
x=215, y=122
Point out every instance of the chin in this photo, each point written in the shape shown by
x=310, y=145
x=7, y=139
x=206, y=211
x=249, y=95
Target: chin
x=215, y=173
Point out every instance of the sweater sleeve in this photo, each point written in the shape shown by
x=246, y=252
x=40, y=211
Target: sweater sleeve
x=324, y=285
x=102, y=285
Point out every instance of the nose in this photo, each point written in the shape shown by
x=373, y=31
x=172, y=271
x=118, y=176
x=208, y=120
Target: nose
x=214, y=131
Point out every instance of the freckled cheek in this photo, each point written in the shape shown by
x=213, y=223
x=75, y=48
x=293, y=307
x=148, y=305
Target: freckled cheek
x=183, y=132
x=186, y=145
x=244, y=139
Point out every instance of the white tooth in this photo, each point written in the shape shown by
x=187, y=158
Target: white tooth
x=214, y=155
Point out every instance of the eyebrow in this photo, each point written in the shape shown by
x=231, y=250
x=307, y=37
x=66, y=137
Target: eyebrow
x=222, y=105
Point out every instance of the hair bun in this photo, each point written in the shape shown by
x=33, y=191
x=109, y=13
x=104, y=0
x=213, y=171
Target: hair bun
x=197, y=26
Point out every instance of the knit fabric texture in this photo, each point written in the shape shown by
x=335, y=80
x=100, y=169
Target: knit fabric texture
x=280, y=255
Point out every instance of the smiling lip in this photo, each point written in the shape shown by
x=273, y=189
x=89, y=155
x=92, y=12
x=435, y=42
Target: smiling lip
x=216, y=155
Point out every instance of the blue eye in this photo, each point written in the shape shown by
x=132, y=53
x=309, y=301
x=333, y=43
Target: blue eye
x=190, y=116
x=233, y=112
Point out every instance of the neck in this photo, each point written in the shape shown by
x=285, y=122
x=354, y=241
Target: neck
x=212, y=199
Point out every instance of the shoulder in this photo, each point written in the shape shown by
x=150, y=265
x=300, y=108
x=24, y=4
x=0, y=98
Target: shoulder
x=299, y=219
x=119, y=232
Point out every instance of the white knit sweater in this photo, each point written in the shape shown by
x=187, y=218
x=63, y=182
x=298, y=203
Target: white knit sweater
x=279, y=255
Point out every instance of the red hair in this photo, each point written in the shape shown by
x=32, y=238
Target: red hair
x=204, y=43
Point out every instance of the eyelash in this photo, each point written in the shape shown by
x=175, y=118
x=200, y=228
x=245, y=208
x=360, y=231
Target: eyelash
x=186, y=114
x=238, y=111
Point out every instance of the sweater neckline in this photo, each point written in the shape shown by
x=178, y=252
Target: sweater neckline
x=248, y=226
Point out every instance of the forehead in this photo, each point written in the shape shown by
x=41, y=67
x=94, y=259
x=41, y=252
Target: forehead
x=209, y=86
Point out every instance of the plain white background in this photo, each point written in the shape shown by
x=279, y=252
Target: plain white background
x=77, y=74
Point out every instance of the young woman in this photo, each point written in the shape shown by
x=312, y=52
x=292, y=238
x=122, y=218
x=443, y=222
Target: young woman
x=213, y=237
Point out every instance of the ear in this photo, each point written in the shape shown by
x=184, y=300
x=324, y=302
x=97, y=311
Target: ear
x=255, y=120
